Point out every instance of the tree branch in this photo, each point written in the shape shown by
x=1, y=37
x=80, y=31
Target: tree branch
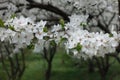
x=48, y=7
x=3, y=8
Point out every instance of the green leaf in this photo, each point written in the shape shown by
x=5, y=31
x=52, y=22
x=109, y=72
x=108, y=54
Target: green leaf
x=83, y=24
x=52, y=43
x=13, y=16
x=12, y=28
x=1, y=23
x=62, y=40
x=45, y=29
x=46, y=38
x=62, y=22
x=78, y=47
x=31, y=46
x=110, y=35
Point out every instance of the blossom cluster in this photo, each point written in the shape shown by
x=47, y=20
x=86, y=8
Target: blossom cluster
x=91, y=44
x=23, y=32
x=88, y=44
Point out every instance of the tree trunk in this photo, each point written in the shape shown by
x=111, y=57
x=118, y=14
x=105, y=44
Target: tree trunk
x=90, y=66
x=48, y=71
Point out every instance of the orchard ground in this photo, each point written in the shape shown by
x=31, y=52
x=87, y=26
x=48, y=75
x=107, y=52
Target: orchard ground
x=64, y=68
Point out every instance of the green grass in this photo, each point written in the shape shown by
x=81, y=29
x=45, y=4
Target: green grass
x=63, y=69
